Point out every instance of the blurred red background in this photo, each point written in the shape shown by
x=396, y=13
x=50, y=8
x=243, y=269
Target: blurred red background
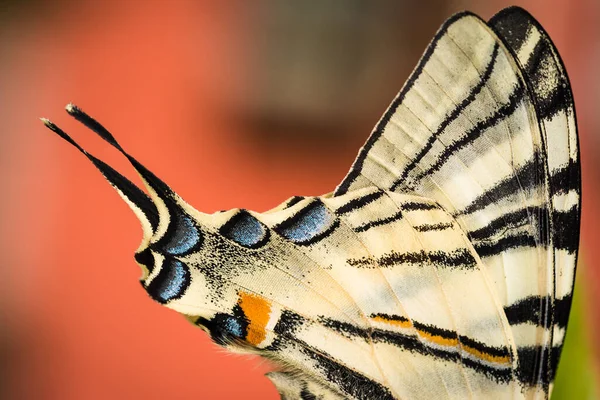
x=226, y=103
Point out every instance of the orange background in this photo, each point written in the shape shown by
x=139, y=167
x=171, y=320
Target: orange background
x=173, y=81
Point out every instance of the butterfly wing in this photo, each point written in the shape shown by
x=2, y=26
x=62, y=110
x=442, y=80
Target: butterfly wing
x=442, y=265
x=549, y=86
x=485, y=126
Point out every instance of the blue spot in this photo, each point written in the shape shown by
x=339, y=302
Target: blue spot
x=226, y=328
x=308, y=224
x=245, y=230
x=182, y=234
x=171, y=282
x=233, y=327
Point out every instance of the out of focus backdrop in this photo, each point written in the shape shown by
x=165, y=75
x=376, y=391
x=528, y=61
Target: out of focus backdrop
x=234, y=104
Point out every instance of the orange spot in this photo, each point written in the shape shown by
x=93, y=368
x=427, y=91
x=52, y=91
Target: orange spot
x=437, y=339
x=257, y=310
x=393, y=322
x=486, y=356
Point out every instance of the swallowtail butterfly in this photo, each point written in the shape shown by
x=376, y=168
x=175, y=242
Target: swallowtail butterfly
x=442, y=266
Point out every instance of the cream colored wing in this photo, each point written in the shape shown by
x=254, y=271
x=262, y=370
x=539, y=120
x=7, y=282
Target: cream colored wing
x=491, y=135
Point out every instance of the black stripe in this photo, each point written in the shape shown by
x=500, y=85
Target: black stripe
x=529, y=364
x=540, y=69
x=566, y=178
x=502, y=376
x=487, y=249
x=536, y=309
x=565, y=229
x=294, y=200
x=340, y=376
x=379, y=222
x=522, y=179
x=553, y=364
x=435, y=331
x=146, y=259
x=288, y=323
x=389, y=317
x=414, y=206
x=534, y=216
x=502, y=113
x=460, y=258
x=562, y=308
x=475, y=90
x=359, y=202
x=482, y=347
x=529, y=310
x=349, y=381
x=305, y=394
x=537, y=365
x=362, y=155
x=433, y=227
x=345, y=328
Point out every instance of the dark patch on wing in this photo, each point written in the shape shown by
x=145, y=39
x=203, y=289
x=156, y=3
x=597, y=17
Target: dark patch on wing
x=225, y=328
x=244, y=229
x=183, y=236
x=309, y=224
x=171, y=282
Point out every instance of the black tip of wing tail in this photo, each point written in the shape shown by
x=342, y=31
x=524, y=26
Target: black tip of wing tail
x=550, y=88
x=152, y=180
x=118, y=181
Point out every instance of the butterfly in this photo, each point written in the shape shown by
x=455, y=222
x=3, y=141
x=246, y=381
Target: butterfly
x=442, y=266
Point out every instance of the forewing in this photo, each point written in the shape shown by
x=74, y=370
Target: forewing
x=485, y=126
